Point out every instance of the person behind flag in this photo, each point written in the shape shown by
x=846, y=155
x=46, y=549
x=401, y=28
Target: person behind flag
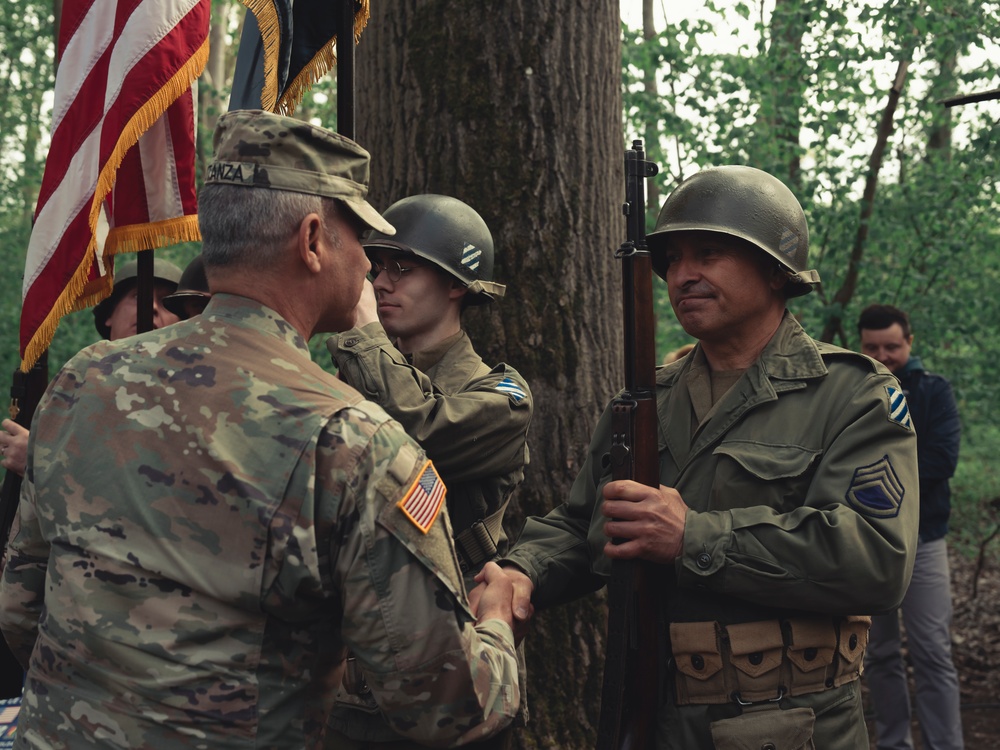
x=114, y=318
x=408, y=353
x=192, y=291
x=209, y=520
x=787, y=505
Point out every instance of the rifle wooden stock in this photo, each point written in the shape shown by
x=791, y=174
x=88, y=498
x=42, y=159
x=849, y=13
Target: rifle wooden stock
x=631, y=669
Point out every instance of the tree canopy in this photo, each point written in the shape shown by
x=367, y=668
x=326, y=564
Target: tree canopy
x=842, y=101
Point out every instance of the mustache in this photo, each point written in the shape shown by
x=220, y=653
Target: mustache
x=696, y=288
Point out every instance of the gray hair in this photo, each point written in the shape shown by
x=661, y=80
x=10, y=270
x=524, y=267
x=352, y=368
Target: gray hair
x=248, y=227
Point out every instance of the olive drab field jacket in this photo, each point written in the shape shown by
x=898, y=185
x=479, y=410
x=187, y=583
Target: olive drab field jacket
x=471, y=419
x=802, y=484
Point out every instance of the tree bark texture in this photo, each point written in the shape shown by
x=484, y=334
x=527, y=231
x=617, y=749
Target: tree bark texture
x=515, y=108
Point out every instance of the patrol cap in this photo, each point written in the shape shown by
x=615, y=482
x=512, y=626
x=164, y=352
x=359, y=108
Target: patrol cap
x=193, y=287
x=260, y=149
x=164, y=272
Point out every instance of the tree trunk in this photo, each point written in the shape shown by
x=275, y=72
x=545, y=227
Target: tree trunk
x=651, y=135
x=776, y=149
x=515, y=108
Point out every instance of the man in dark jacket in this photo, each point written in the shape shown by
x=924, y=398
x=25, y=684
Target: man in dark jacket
x=886, y=336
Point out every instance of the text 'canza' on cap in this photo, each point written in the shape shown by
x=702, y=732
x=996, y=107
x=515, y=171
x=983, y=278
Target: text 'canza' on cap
x=260, y=149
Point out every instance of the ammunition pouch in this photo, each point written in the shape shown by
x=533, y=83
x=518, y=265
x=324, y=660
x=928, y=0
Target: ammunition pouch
x=776, y=729
x=764, y=661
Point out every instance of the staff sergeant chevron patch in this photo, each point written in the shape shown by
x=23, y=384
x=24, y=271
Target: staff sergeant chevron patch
x=876, y=490
x=899, y=412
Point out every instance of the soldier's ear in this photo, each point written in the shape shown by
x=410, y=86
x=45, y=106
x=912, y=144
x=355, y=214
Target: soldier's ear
x=457, y=289
x=779, y=277
x=308, y=241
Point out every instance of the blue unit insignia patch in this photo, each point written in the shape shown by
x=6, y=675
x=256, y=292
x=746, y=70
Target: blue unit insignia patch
x=512, y=389
x=876, y=490
x=470, y=257
x=899, y=412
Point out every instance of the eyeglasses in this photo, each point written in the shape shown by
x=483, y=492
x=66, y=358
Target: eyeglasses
x=391, y=267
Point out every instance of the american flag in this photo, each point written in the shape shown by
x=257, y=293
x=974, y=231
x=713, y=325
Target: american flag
x=121, y=160
x=423, y=501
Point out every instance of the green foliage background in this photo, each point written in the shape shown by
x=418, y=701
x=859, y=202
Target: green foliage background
x=802, y=99
x=800, y=95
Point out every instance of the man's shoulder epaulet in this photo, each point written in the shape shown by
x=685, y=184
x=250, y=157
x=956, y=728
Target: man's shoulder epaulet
x=831, y=352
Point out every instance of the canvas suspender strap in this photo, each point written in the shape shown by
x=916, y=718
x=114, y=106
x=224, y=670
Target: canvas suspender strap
x=477, y=544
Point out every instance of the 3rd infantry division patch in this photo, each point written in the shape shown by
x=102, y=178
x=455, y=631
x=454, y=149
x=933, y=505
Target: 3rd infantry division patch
x=512, y=389
x=876, y=490
x=423, y=501
x=899, y=412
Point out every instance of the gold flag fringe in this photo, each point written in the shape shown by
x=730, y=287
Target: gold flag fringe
x=267, y=21
x=79, y=294
x=321, y=64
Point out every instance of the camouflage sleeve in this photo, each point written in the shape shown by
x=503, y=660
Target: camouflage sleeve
x=22, y=590
x=478, y=432
x=438, y=677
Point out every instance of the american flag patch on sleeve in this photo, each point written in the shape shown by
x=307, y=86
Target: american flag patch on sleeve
x=423, y=501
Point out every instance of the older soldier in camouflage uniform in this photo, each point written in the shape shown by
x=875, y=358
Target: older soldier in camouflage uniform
x=788, y=504
x=409, y=354
x=210, y=520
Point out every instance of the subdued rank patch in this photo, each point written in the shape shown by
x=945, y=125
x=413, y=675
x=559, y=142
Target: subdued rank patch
x=470, y=257
x=423, y=501
x=512, y=389
x=876, y=490
x=899, y=412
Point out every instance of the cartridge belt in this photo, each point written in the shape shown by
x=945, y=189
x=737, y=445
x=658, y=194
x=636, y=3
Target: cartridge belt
x=764, y=661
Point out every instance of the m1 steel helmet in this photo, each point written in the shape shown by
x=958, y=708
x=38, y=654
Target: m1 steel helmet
x=741, y=202
x=164, y=272
x=449, y=234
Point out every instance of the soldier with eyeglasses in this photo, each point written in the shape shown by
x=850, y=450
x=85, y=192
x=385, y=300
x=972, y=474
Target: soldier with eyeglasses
x=408, y=353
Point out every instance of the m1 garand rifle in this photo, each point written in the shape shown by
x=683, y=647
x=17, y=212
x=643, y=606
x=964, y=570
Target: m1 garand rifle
x=631, y=668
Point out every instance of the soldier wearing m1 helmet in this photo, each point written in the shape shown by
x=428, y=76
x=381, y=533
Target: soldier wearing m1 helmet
x=788, y=498
x=408, y=353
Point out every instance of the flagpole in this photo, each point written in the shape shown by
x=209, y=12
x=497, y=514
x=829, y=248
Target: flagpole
x=144, y=291
x=345, y=70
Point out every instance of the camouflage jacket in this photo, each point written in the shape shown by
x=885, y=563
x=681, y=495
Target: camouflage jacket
x=472, y=420
x=208, y=522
